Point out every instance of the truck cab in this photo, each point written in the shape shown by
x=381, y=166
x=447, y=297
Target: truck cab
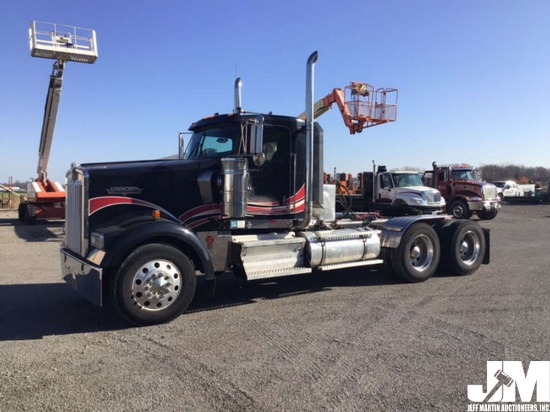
x=405, y=190
x=463, y=191
x=500, y=184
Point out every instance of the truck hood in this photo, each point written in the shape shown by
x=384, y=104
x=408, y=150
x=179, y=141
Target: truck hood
x=416, y=190
x=168, y=185
x=411, y=194
x=474, y=188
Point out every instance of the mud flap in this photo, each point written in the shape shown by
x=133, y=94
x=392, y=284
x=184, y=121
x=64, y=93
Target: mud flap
x=487, y=256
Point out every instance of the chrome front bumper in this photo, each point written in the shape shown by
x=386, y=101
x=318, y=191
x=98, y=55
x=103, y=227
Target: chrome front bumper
x=85, y=277
x=484, y=205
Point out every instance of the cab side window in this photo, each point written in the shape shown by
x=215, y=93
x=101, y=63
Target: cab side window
x=216, y=147
x=386, y=182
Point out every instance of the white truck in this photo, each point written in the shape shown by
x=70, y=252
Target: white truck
x=393, y=193
x=510, y=190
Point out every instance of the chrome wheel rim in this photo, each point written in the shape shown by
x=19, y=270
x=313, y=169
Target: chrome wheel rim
x=470, y=248
x=156, y=285
x=458, y=211
x=421, y=253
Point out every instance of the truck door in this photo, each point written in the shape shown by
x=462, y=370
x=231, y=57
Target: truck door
x=443, y=183
x=270, y=182
x=386, y=190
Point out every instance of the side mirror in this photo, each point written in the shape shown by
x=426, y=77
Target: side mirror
x=181, y=146
x=257, y=140
x=257, y=135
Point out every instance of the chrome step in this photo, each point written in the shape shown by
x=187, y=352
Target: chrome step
x=275, y=273
x=337, y=266
x=268, y=256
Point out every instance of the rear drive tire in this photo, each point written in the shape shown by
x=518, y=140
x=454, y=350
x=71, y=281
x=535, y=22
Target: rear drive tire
x=459, y=209
x=463, y=247
x=417, y=257
x=155, y=284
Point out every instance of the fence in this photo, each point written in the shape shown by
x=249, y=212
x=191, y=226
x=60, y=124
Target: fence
x=10, y=200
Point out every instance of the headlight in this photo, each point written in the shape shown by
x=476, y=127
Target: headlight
x=97, y=240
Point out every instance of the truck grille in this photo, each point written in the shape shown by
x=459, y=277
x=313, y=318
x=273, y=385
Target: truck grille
x=489, y=192
x=76, y=222
x=433, y=197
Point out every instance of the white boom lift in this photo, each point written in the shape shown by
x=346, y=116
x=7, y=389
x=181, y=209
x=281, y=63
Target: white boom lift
x=45, y=198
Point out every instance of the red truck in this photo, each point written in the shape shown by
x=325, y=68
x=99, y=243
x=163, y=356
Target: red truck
x=463, y=191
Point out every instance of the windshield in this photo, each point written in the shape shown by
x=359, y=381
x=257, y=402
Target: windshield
x=463, y=174
x=213, y=143
x=407, y=179
x=224, y=141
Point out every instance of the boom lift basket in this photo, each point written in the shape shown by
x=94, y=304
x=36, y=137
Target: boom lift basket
x=60, y=42
x=368, y=107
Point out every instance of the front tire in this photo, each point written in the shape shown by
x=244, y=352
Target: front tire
x=417, y=257
x=459, y=209
x=155, y=284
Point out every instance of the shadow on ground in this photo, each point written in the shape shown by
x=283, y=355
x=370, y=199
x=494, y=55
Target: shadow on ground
x=40, y=231
x=33, y=311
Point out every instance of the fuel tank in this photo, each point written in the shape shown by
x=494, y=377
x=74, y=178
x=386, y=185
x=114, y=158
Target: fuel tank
x=329, y=247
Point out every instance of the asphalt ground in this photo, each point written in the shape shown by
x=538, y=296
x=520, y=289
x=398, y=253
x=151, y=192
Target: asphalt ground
x=353, y=340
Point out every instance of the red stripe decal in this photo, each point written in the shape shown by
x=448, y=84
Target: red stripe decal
x=97, y=203
x=200, y=210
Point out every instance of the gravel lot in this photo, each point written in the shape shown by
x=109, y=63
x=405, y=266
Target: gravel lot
x=353, y=340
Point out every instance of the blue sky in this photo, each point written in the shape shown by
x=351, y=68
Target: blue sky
x=473, y=77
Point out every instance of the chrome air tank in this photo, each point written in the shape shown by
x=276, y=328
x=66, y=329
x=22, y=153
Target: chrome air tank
x=330, y=247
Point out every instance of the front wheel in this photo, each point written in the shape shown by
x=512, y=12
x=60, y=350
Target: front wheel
x=417, y=257
x=155, y=284
x=459, y=209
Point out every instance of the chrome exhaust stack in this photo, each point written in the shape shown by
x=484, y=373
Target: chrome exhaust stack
x=310, y=121
x=237, y=96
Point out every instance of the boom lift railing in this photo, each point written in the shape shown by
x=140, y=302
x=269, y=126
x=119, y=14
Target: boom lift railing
x=360, y=105
x=60, y=42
